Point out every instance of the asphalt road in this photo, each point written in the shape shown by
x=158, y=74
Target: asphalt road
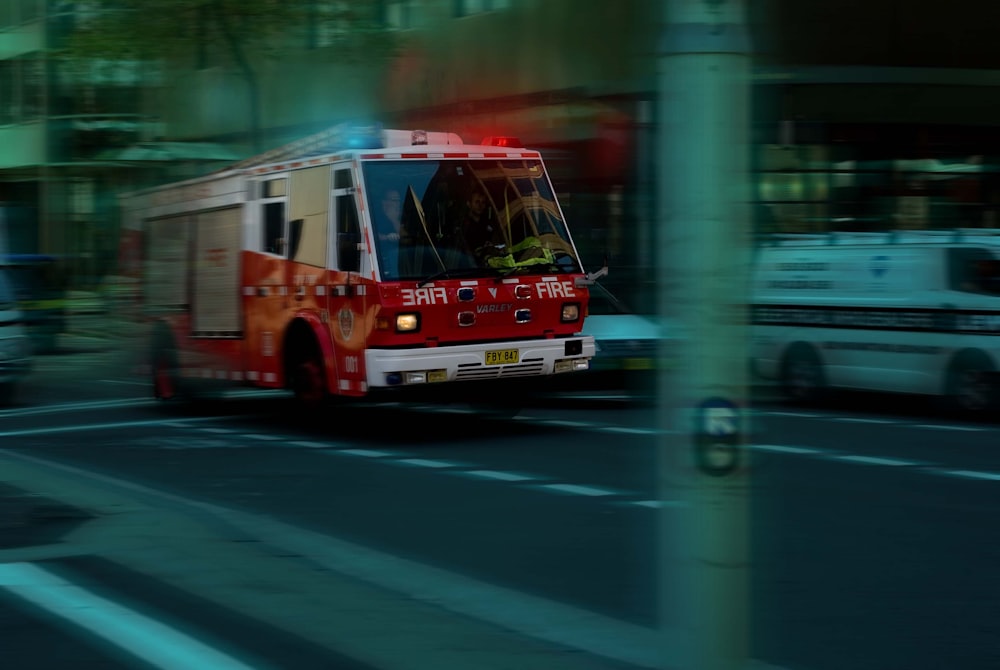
x=460, y=541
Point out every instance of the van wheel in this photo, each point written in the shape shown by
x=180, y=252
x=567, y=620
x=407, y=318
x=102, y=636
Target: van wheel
x=802, y=377
x=970, y=385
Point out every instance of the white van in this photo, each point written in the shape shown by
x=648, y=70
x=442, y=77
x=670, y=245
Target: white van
x=15, y=356
x=904, y=312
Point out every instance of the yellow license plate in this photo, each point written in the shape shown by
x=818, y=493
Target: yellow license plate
x=437, y=376
x=501, y=356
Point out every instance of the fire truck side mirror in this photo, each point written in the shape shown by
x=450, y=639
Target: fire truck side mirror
x=348, y=253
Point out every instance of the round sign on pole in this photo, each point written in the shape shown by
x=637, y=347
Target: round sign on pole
x=718, y=434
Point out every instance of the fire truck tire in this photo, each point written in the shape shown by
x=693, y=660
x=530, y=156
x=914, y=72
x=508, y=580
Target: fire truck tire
x=306, y=376
x=163, y=364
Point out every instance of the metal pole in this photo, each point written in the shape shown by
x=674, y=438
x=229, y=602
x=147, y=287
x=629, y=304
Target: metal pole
x=703, y=274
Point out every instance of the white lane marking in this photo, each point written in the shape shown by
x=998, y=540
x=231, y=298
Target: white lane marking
x=430, y=463
x=567, y=424
x=657, y=504
x=263, y=437
x=785, y=449
x=104, y=426
x=313, y=445
x=136, y=633
x=221, y=431
x=80, y=407
x=367, y=453
x=972, y=474
x=628, y=431
x=874, y=460
x=858, y=419
x=935, y=426
x=576, y=489
x=500, y=475
x=802, y=415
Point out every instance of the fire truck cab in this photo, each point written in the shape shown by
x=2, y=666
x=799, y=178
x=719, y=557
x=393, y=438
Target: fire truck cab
x=361, y=260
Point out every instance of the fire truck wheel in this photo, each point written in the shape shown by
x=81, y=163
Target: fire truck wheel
x=163, y=365
x=308, y=380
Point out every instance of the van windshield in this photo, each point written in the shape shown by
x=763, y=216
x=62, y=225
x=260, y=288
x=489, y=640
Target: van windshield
x=466, y=218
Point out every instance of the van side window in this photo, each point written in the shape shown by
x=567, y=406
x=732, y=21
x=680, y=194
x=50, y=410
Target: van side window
x=975, y=271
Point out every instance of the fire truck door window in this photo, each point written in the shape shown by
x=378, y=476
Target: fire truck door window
x=347, y=229
x=348, y=234
x=273, y=217
x=309, y=203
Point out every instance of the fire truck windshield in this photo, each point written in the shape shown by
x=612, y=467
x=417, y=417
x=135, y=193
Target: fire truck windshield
x=466, y=218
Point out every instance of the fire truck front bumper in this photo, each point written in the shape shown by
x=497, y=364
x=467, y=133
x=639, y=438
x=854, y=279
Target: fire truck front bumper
x=478, y=362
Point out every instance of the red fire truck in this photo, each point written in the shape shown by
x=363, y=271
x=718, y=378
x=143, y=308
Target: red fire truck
x=362, y=260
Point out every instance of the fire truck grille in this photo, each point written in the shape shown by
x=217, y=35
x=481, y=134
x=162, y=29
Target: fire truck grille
x=528, y=368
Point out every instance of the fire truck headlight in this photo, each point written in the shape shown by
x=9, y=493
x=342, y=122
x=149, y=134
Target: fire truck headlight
x=570, y=312
x=407, y=323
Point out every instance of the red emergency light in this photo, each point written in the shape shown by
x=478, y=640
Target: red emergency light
x=502, y=141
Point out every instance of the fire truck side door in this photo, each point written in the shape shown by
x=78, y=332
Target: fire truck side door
x=347, y=295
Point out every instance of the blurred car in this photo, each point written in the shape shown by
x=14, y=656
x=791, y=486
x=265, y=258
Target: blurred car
x=39, y=296
x=15, y=352
x=626, y=343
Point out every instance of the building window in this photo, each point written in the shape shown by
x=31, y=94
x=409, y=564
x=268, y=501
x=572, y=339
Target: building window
x=470, y=7
x=328, y=23
x=397, y=14
x=10, y=98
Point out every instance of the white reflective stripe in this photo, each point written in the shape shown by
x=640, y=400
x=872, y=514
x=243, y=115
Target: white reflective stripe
x=206, y=374
x=320, y=290
x=476, y=155
x=249, y=290
x=253, y=375
x=435, y=155
x=282, y=290
x=345, y=385
x=550, y=278
x=392, y=155
x=360, y=289
x=468, y=283
x=513, y=280
x=270, y=377
x=236, y=376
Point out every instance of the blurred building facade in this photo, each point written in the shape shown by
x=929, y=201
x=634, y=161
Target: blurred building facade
x=55, y=195
x=868, y=114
